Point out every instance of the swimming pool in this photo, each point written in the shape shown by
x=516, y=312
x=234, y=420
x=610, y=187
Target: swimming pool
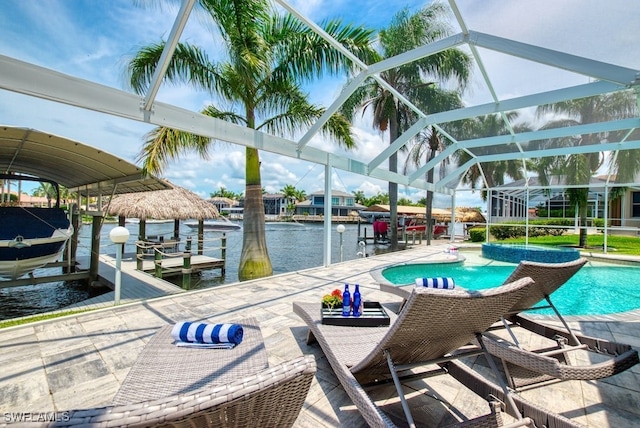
x=594, y=290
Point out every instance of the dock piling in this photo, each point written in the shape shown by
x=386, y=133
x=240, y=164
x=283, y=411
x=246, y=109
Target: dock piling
x=224, y=254
x=157, y=259
x=186, y=265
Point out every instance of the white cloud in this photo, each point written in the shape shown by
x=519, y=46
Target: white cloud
x=371, y=189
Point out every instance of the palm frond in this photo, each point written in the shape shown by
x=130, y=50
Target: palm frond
x=163, y=145
x=189, y=64
x=228, y=116
x=302, y=53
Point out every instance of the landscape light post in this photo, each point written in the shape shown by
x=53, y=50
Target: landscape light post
x=340, y=230
x=118, y=236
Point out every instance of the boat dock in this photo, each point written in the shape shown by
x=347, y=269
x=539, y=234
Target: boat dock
x=135, y=285
x=174, y=266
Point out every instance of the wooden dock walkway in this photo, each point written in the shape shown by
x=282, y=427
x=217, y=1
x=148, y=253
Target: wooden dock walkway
x=134, y=284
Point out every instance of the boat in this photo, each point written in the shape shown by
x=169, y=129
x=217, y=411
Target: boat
x=412, y=226
x=31, y=237
x=409, y=224
x=222, y=225
x=283, y=224
x=134, y=220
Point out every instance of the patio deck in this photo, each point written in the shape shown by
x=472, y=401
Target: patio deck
x=80, y=361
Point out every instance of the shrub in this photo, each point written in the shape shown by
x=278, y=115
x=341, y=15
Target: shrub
x=476, y=234
x=537, y=228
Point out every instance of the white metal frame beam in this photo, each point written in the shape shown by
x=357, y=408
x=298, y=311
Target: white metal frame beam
x=33, y=80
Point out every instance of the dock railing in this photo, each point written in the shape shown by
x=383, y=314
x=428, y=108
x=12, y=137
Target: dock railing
x=164, y=266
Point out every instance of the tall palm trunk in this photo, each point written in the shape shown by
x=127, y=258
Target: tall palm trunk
x=433, y=148
x=582, y=206
x=393, y=187
x=254, y=259
x=583, y=228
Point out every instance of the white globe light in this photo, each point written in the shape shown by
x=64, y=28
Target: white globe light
x=340, y=228
x=119, y=235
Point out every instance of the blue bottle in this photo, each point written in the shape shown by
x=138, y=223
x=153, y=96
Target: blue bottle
x=357, y=302
x=346, y=301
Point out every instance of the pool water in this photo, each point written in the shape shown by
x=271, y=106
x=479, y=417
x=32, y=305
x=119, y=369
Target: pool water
x=594, y=290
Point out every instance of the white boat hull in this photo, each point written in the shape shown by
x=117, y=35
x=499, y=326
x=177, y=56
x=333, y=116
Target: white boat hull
x=19, y=264
x=222, y=226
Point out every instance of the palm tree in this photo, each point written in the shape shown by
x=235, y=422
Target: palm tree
x=359, y=197
x=577, y=169
x=289, y=192
x=429, y=143
x=47, y=190
x=413, y=80
x=222, y=192
x=268, y=58
x=492, y=173
x=301, y=195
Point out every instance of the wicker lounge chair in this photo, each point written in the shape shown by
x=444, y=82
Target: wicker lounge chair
x=526, y=367
x=179, y=387
x=434, y=327
x=530, y=367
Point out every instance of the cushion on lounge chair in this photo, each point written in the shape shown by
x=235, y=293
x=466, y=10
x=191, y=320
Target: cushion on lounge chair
x=442, y=282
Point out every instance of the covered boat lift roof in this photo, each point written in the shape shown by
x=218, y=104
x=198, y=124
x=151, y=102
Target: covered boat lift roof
x=82, y=169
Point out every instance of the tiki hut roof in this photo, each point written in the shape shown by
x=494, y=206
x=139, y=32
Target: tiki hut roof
x=171, y=204
x=463, y=215
x=469, y=215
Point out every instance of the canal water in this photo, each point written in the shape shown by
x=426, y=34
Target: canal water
x=291, y=247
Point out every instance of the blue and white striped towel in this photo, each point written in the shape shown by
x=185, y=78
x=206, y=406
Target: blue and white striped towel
x=445, y=283
x=203, y=335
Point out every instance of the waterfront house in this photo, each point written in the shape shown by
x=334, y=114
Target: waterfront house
x=342, y=204
x=275, y=204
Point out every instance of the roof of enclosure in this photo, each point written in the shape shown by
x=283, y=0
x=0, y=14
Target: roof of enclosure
x=80, y=168
x=582, y=77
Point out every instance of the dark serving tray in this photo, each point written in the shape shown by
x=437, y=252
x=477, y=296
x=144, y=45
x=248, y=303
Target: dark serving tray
x=373, y=315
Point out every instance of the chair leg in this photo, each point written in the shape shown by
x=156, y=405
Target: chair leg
x=398, y=385
x=576, y=341
x=503, y=386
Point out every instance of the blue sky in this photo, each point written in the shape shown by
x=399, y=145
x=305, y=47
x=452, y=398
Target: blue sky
x=93, y=39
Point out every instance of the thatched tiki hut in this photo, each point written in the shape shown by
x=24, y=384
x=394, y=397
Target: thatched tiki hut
x=172, y=204
x=469, y=215
x=463, y=215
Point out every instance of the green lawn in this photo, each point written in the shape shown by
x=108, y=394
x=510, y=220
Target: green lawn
x=615, y=244
x=41, y=317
